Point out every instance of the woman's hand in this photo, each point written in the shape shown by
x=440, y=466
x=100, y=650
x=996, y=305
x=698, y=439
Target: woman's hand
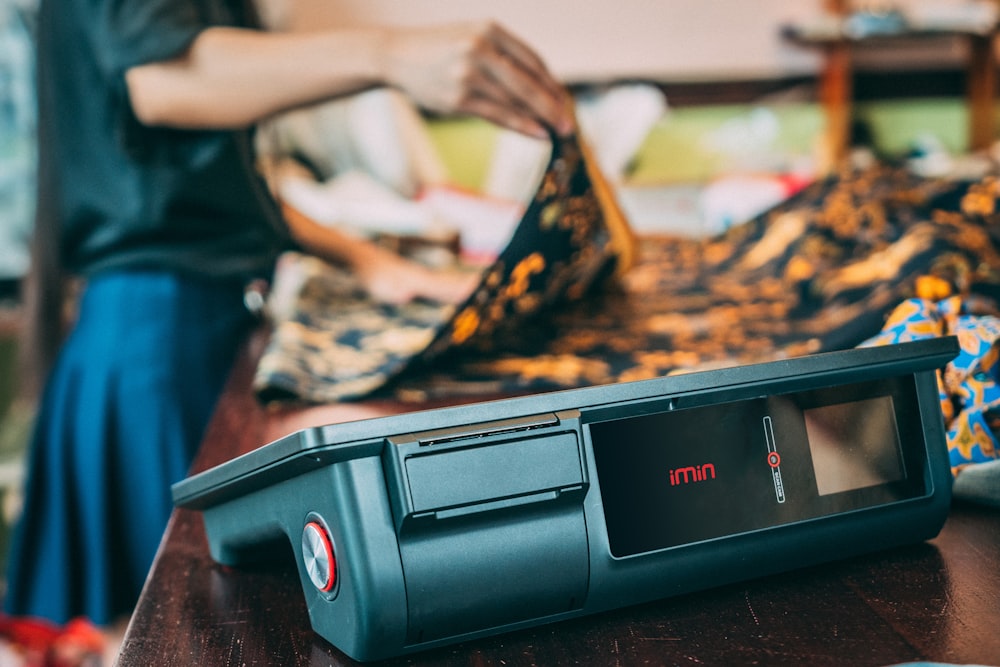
x=478, y=69
x=384, y=275
x=389, y=278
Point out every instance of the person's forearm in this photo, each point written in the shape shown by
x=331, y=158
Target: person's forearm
x=233, y=78
x=326, y=242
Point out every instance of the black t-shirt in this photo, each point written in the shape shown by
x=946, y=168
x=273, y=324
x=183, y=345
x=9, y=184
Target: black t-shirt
x=127, y=195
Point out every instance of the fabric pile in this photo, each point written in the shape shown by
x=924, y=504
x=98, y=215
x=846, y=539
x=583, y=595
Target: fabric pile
x=822, y=271
x=335, y=344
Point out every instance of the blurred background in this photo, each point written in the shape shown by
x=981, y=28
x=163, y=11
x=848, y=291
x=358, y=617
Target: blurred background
x=705, y=113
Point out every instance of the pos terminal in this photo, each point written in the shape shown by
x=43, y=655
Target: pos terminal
x=438, y=526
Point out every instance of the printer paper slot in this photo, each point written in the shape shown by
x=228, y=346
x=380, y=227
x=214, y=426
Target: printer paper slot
x=493, y=472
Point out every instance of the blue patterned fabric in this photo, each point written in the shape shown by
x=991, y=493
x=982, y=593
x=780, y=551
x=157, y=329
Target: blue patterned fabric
x=969, y=386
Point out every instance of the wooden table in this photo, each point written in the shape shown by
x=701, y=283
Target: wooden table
x=937, y=601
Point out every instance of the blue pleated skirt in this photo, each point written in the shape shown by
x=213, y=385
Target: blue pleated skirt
x=121, y=417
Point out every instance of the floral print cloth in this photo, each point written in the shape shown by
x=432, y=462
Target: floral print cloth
x=338, y=345
x=869, y=256
x=821, y=271
x=970, y=384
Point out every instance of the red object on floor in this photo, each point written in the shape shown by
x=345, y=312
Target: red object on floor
x=40, y=643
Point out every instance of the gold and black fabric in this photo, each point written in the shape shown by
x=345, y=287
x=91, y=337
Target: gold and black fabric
x=338, y=345
x=821, y=271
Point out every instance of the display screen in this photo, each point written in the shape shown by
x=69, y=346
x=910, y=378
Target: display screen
x=688, y=475
x=854, y=445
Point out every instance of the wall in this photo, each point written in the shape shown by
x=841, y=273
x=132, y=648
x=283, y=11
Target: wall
x=655, y=39
x=663, y=40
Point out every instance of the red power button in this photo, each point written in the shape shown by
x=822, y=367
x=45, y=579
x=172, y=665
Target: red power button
x=318, y=556
x=773, y=459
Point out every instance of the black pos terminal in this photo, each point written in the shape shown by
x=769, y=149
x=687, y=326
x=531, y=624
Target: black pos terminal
x=433, y=527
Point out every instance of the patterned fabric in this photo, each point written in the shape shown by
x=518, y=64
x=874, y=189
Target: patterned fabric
x=970, y=384
x=821, y=271
x=338, y=345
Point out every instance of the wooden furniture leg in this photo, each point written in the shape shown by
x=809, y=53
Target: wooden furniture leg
x=835, y=95
x=981, y=84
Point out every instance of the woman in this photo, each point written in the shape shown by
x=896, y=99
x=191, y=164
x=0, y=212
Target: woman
x=148, y=192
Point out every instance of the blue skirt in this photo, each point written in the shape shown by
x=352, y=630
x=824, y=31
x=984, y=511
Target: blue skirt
x=120, y=420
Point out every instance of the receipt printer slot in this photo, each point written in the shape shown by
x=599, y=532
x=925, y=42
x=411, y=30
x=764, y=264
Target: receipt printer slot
x=536, y=467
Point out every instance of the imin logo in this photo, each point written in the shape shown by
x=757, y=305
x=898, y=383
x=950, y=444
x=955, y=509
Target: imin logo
x=691, y=474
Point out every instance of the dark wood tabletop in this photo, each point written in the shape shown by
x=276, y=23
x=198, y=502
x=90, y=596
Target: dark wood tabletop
x=938, y=601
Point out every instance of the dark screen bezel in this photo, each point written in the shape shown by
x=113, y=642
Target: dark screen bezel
x=912, y=449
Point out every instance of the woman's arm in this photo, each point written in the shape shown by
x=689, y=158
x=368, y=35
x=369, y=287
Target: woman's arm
x=231, y=77
x=384, y=275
